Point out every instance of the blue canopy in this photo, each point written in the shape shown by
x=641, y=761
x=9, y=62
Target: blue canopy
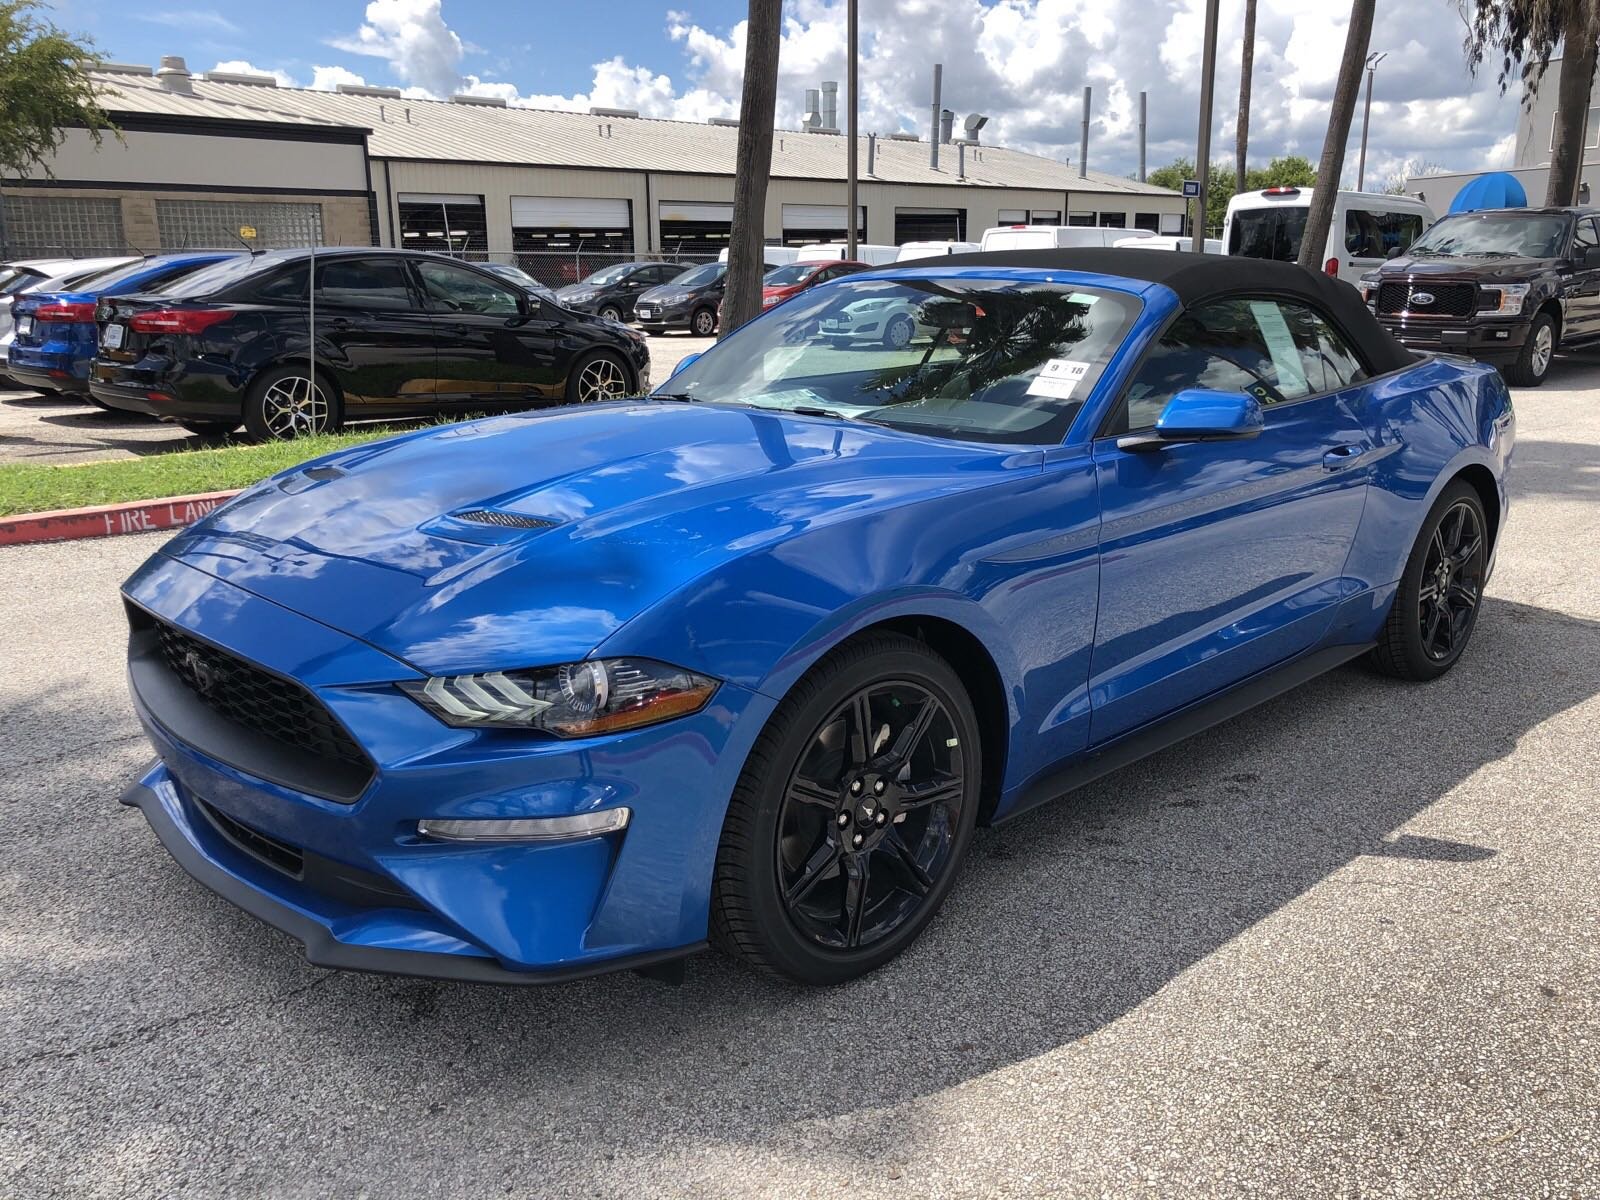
x=1498, y=189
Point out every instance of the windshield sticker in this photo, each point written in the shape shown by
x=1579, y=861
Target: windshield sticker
x=1280, y=344
x=1057, y=378
x=776, y=363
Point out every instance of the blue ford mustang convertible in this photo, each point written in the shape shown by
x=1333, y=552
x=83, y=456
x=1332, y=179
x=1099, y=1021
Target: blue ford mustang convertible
x=746, y=661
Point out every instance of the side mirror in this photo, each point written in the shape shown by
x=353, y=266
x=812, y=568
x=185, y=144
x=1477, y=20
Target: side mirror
x=1590, y=258
x=1394, y=252
x=1198, y=415
x=686, y=362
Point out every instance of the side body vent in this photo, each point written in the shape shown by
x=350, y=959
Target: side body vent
x=505, y=520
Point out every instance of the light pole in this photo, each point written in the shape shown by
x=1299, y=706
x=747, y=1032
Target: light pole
x=850, y=209
x=1373, y=60
x=1202, y=165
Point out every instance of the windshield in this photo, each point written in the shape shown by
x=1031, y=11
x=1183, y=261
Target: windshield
x=1273, y=233
x=700, y=276
x=985, y=360
x=607, y=276
x=209, y=280
x=793, y=273
x=1495, y=235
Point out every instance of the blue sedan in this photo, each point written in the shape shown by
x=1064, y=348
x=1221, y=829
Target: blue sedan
x=747, y=660
x=56, y=339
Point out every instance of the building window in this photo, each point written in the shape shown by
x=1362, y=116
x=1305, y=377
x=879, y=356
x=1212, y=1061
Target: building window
x=1080, y=218
x=1591, y=137
x=1113, y=220
x=447, y=224
x=1150, y=221
x=215, y=224
x=61, y=226
x=1044, y=216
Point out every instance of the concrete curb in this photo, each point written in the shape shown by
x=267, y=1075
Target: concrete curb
x=109, y=520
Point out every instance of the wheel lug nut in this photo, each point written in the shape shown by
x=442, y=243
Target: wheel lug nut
x=855, y=788
x=883, y=818
x=877, y=788
x=857, y=840
x=844, y=819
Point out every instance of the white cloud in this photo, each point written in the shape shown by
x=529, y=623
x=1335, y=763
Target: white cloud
x=238, y=66
x=1025, y=63
x=190, y=19
x=413, y=37
x=325, y=79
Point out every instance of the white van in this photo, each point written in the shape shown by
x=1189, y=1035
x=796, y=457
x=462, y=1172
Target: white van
x=1366, y=228
x=1051, y=237
x=1169, y=241
x=914, y=250
x=838, y=251
x=773, y=256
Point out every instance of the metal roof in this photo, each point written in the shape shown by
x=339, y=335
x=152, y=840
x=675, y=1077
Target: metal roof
x=442, y=131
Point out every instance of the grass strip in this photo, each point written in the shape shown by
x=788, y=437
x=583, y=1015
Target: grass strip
x=30, y=487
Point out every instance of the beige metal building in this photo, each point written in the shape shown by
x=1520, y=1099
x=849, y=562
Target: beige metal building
x=203, y=156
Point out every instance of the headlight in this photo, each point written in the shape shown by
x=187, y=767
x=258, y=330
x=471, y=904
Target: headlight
x=1511, y=297
x=573, y=700
x=1369, y=285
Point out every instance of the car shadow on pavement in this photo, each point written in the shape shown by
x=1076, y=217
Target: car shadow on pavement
x=1567, y=470
x=1062, y=922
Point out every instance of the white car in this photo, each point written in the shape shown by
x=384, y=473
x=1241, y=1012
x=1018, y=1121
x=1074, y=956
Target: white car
x=874, y=321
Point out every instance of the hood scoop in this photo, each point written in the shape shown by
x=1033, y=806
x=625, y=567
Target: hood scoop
x=503, y=520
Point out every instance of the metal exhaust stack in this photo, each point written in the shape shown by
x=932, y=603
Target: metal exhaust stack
x=947, y=126
x=830, y=106
x=1142, y=111
x=933, y=129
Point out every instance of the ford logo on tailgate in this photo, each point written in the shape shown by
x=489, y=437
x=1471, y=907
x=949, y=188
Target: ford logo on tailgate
x=1421, y=299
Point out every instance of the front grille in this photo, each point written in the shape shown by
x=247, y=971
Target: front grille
x=1449, y=299
x=256, y=699
x=491, y=516
x=286, y=858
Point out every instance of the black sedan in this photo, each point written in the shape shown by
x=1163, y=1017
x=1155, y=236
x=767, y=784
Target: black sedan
x=689, y=302
x=610, y=293
x=398, y=334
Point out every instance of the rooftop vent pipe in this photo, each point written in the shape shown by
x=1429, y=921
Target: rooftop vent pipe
x=1083, y=150
x=482, y=101
x=596, y=110
x=947, y=125
x=367, y=89
x=933, y=129
x=813, y=117
x=830, y=106
x=174, y=75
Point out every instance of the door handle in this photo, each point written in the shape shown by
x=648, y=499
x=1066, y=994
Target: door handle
x=339, y=322
x=1340, y=457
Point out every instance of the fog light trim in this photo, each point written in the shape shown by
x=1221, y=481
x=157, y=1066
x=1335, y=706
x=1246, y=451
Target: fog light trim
x=529, y=829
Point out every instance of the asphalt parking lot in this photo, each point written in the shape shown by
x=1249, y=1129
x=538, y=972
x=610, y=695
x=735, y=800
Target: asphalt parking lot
x=62, y=430
x=1344, y=945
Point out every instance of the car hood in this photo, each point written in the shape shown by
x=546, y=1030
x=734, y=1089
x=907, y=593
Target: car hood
x=666, y=294
x=598, y=513
x=1485, y=269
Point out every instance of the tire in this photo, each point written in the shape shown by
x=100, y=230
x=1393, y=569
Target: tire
x=610, y=312
x=597, y=377
x=792, y=850
x=897, y=334
x=1424, y=637
x=210, y=428
x=276, y=409
x=1532, y=363
x=703, y=322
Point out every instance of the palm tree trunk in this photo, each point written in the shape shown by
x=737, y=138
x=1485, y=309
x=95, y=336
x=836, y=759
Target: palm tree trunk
x=1579, y=32
x=1247, y=59
x=1340, y=114
x=753, y=165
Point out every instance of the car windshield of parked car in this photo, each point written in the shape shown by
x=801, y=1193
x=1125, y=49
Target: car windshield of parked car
x=210, y=280
x=789, y=273
x=700, y=276
x=988, y=360
x=1495, y=235
x=610, y=275
x=1272, y=233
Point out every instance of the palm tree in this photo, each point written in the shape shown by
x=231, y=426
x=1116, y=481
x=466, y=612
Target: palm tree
x=753, y=164
x=1247, y=61
x=1340, y=114
x=1524, y=35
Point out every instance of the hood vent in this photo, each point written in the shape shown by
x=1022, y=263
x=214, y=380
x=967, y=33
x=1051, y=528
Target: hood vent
x=505, y=520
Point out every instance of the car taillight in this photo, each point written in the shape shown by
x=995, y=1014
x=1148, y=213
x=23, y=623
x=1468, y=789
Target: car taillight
x=1331, y=267
x=65, y=310
x=178, y=320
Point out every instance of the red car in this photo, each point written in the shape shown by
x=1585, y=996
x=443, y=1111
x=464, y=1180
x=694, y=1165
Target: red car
x=782, y=282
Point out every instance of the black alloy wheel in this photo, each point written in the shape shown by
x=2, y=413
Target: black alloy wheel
x=1441, y=593
x=854, y=811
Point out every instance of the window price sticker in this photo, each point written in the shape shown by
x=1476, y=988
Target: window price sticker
x=1057, y=378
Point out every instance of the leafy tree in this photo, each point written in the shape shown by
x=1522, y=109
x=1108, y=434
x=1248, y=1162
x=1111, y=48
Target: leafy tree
x=44, y=90
x=1340, y=113
x=1526, y=35
x=752, y=165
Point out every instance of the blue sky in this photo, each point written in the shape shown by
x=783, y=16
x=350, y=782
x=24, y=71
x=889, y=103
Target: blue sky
x=1024, y=63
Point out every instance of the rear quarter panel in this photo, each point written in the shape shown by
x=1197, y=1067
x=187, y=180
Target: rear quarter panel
x=1429, y=423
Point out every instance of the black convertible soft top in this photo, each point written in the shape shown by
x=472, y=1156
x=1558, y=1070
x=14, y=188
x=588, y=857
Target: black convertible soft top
x=1199, y=277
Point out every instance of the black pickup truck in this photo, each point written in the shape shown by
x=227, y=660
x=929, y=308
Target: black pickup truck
x=1508, y=286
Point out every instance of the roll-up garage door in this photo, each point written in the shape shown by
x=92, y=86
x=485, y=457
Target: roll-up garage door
x=804, y=223
x=694, y=229
x=929, y=225
x=569, y=212
x=674, y=210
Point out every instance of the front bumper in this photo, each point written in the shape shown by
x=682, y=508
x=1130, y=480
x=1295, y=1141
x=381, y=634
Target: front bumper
x=517, y=912
x=665, y=316
x=1488, y=341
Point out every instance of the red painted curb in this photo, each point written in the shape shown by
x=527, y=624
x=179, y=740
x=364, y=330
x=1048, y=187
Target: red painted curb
x=109, y=520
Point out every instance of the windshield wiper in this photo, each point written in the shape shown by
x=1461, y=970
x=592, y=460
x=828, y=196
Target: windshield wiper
x=806, y=410
x=673, y=397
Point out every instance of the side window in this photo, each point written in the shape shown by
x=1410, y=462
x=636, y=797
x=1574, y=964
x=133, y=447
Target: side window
x=660, y=275
x=1584, y=236
x=456, y=289
x=373, y=283
x=1276, y=350
x=1375, y=234
x=286, y=287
